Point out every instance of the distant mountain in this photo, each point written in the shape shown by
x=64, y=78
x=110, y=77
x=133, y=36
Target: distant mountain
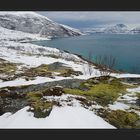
x=114, y=29
x=31, y=22
x=118, y=28
x=135, y=30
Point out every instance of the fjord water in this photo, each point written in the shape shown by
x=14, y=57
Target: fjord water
x=124, y=47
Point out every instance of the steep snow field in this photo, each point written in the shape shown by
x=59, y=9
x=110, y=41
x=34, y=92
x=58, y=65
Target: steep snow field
x=7, y=34
x=60, y=117
x=118, y=105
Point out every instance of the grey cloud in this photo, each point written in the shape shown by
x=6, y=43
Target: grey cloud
x=109, y=17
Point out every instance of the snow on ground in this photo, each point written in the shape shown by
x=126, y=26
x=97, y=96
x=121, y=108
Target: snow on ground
x=23, y=14
x=129, y=97
x=134, y=89
x=38, y=80
x=126, y=101
x=70, y=115
x=126, y=75
x=65, y=100
x=60, y=117
x=31, y=61
x=118, y=105
x=33, y=55
x=7, y=34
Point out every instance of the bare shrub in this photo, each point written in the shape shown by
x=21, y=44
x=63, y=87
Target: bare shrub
x=105, y=63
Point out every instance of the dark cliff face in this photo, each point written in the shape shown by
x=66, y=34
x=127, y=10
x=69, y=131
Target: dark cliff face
x=31, y=22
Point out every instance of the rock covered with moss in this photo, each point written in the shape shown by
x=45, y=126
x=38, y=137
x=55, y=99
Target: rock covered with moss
x=119, y=118
x=54, y=91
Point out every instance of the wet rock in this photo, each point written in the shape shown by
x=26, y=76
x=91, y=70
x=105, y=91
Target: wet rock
x=131, y=80
x=39, y=113
x=57, y=66
x=66, y=83
x=11, y=105
x=95, y=81
x=71, y=72
x=6, y=93
x=138, y=102
x=41, y=109
x=84, y=101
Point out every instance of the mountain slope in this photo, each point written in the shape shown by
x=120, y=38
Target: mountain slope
x=112, y=29
x=31, y=22
x=118, y=28
x=135, y=30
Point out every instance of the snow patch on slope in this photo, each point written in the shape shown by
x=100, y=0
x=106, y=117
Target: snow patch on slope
x=38, y=80
x=60, y=117
x=118, y=105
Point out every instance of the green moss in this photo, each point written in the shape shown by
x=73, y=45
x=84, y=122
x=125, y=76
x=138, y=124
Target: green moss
x=69, y=72
x=137, y=127
x=41, y=70
x=39, y=107
x=122, y=119
x=34, y=96
x=53, y=56
x=48, y=70
x=138, y=95
x=7, y=68
x=102, y=93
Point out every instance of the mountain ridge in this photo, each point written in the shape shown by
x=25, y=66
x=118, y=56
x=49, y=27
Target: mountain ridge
x=115, y=29
x=31, y=22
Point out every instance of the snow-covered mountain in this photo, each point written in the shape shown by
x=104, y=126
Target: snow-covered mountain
x=135, y=30
x=31, y=22
x=118, y=28
x=113, y=29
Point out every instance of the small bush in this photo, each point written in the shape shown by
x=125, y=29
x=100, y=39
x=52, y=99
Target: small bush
x=40, y=108
x=7, y=68
x=122, y=119
x=34, y=96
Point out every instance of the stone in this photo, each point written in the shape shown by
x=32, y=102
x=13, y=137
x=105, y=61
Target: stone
x=54, y=91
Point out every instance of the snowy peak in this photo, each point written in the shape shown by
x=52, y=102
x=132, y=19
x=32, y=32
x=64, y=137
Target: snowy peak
x=31, y=22
x=121, y=25
x=114, y=29
x=118, y=28
x=135, y=30
x=23, y=14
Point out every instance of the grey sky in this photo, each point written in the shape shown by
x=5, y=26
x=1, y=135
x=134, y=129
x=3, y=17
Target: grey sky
x=94, y=18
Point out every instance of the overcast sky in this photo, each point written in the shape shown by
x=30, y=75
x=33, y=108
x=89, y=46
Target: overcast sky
x=93, y=18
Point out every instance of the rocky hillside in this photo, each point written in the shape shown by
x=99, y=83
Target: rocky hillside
x=31, y=22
